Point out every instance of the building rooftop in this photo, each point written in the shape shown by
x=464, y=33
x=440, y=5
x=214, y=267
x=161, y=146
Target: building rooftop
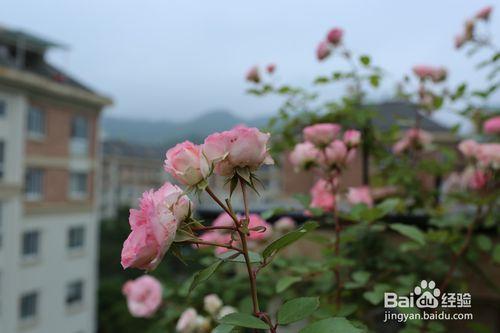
x=22, y=62
x=126, y=149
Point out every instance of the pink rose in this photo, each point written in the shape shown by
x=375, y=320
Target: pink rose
x=285, y=224
x=419, y=136
x=484, y=14
x=460, y=41
x=401, y=146
x=468, y=148
x=335, y=36
x=323, y=51
x=488, y=155
x=321, y=134
x=253, y=75
x=154, y=226
x=435, y=74
x=256, y=221
x=478, y=180
x=144, y=296
x=322, y=195
x=335, y=154
x=185, y=163
x=271, y=68
x=223, y=220
x=212, y=304
x=240, y=147
x=187, y=322
x=304, y=154
x=358, y=195
x=492, y=125
x=352, y=138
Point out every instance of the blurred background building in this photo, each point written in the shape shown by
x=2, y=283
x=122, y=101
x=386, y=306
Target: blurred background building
x=49, y=166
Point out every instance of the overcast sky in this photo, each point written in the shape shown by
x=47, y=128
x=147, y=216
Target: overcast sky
x=175, y=59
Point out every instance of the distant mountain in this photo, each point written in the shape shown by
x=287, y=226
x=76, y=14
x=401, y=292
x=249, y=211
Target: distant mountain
x=168, y=132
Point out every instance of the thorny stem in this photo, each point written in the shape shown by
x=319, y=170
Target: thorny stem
x=251, y=273
x=462, y=250
x=337, y=254
x=227, y=246
x=221, y=204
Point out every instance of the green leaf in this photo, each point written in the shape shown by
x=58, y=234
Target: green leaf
x=365, y=60
x=332, y=325
x=297, y=309
x=243, y=320
x=409, y=231
x=288, y=239
x=484, y=243
x=223, y=328
x=286, y=282
x=377, y=294
x=375, y=80
x=235, y=256
x=204, y=274
x=496, y=254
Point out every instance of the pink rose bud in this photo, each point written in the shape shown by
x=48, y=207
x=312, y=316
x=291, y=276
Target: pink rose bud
x=323, y=51
x=285, y=224
x=352, y=138
x=436, y=74
x=460, y=41
x=468, y=148
x=478, y=180
x=186, y=163
x=360, y=195
x=223, y=220
x=335, y=36
x=492, y=125
x=304, y=155
x=321, y=134
x=322, y=195
x=241, y=147
x=212, y=304
x=484, y=14
x=154, y=226
x=488, y=155
x=144, y=296
x=335, y=154
x=271, y=68
x=263, y=230
x=187, y=322
x=401, y=146
x=253, y=75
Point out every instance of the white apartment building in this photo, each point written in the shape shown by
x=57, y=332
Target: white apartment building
x=49, y=166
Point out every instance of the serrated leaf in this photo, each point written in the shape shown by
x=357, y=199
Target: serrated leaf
x=365, y=60
x=204, y=274
x=332, y=325
x=409, y=231
x=297, y=309
x=235, y=256
x=223, y=328
x=376, y=295
x=288, y=239
x=243, y=320
x=484, y=242
x=286, y=282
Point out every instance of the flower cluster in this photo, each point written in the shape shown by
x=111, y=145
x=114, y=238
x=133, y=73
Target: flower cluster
x=333, y=39
x=492, y=125
x=483, y=167
x=414, y=139
x=226, y=152
x=426, y=72
x=191, y=321
x=323, y=150
x=468, y=33
x=144, y=296
x=253, y=74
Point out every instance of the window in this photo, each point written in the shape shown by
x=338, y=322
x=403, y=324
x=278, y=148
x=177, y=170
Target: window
x=76, y=237
x=3, y=108
x=30, y=244
x=34, y=184
x=78, y=185
x=79, y=128
x=28, y=306
x=2, y=158
x=74, y=293
x=36, y=122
